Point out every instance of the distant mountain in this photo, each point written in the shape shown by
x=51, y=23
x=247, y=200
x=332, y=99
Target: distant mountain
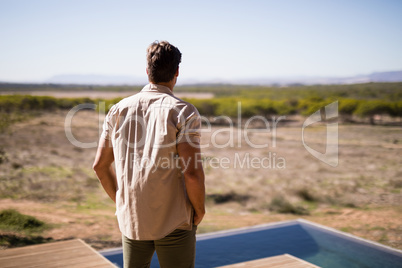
x=386, y=77
x=94, y=79
x=395, y=76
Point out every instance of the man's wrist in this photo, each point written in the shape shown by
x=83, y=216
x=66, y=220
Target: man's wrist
x=199, y=211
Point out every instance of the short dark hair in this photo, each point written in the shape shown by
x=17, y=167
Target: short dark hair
x=163, y=59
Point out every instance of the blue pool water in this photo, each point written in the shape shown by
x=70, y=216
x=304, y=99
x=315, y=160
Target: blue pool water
x=316, y=244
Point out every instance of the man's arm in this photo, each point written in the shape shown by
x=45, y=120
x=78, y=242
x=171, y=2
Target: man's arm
x=103, y=168
x=190, y=157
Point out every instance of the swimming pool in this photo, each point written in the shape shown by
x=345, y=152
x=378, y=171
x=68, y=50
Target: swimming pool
x=314, y=243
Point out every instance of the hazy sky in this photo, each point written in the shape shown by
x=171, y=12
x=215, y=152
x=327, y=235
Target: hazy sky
x=218, y=39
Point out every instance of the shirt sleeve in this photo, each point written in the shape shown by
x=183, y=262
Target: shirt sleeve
x=190, y=129
x=108, y=124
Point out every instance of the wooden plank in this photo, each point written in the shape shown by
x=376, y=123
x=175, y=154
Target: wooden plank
x=28, y=250
x=280, y=261
x=72, y=253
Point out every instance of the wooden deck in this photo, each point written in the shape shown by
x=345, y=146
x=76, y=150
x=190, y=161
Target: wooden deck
x=280, y=261
x=76, y=253
x=71, y=253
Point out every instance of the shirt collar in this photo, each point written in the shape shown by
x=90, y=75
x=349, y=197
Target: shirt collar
x=157, y=88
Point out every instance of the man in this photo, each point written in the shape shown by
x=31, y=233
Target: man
x=158, y=183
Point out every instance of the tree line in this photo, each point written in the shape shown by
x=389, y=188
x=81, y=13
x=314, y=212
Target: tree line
x=354, y=101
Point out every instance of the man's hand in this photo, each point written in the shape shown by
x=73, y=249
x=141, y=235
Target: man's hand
x=103, y=168
x=198, y=217
x=190, y=157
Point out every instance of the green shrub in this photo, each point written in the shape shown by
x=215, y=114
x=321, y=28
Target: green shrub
x=264, y=107
x=348, y=106
x=281, y=205
x=396, y=109
x=228, y=197
x=307, y=195
x=228, y=106
x=285, y=107
x=206, y=107
x=372, y=107
x=12, y=220
x=308, y=107
x=251, y=107
x=12, y=103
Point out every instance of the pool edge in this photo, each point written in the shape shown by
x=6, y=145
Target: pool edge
x=223, y=233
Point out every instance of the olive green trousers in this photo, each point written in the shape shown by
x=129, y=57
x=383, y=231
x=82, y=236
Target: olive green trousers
x=176, y=250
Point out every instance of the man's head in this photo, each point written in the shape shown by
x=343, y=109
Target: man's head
x=163, y=61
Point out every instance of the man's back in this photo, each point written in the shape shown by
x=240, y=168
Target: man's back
x=144, y=129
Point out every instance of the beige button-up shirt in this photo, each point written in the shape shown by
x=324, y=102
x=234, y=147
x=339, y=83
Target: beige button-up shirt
x=144, y=129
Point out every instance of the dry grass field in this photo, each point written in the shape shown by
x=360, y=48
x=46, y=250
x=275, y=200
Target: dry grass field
x=42, y=174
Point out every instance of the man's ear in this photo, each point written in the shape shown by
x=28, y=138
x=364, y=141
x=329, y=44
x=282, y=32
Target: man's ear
x=177, y=72
x=146, y=69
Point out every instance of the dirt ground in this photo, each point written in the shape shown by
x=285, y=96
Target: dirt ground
x=44, y=175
